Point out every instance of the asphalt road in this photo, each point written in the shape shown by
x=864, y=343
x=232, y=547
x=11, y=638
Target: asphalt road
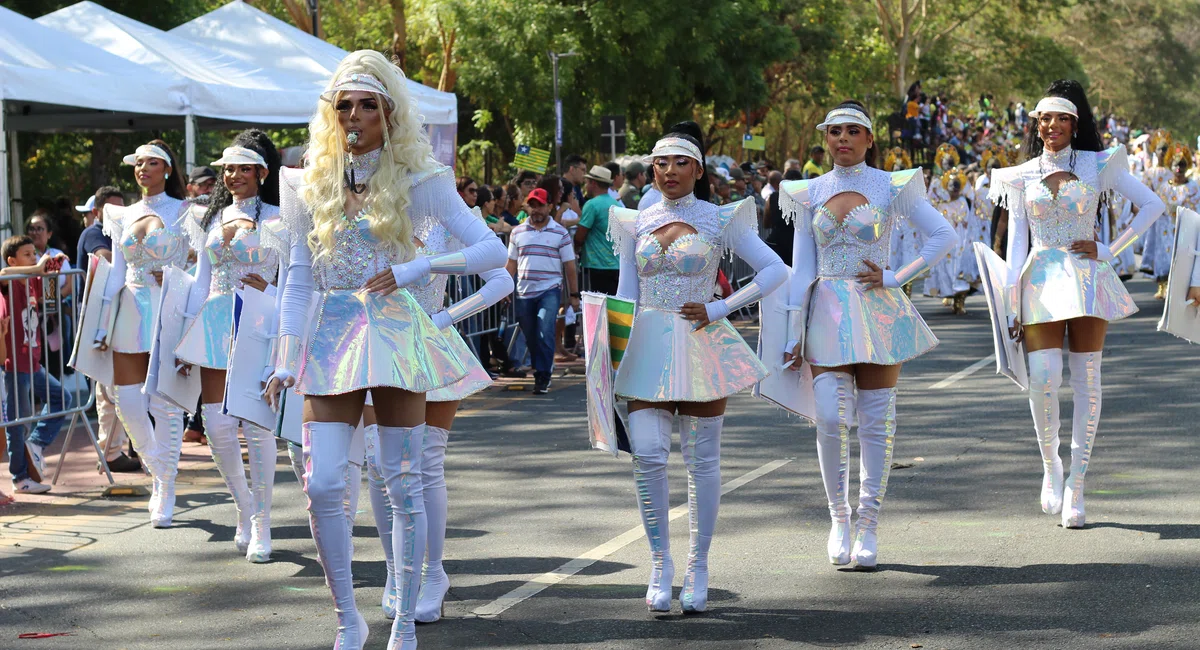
x=967, y=558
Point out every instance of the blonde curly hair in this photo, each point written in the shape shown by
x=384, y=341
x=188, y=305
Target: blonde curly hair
x=406, y=150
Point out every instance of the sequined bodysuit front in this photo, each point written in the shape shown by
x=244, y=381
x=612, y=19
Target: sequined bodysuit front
x=1058, y=220
x=159, y=248
x=685, y=270
x=357, y=256
x=244, y=253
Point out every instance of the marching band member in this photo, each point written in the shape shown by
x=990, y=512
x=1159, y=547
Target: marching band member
x=683, y=356
x=1065, y=285
x=232, y=249
x=148, y=236
x=860, y=327
x=350, y=214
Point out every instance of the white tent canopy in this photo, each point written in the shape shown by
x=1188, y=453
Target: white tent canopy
x=222, y=90
x=50, y=81
x=242, y=31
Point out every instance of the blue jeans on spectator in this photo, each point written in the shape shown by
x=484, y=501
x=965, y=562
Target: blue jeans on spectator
x=537, y=315
x=46, y=389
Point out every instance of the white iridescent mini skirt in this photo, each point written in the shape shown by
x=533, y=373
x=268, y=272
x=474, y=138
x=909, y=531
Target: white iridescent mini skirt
x=1057, y=285
x=364, y=340
x=137, y=312
x=666, y=361
x=849, y=325
x=207, y=341
x=476, y=380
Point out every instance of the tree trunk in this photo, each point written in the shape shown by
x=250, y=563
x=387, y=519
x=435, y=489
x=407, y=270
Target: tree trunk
x=399, y=34
x=903, y=47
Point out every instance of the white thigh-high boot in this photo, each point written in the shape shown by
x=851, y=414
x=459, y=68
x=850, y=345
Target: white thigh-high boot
x=434, y=581
x=834, y=396
x=264, y=454
x=876, y=438
x=134, y=412
x=381, y=508
x=168, y=442
x=650, y=441
x=1045, y=377
x=400, y=462
x=1085, y=381
x=296, y=458
x=328, y=445
x=226, y=450
x=700, y=441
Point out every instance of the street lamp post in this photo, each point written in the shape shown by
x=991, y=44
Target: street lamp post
x=314, y=16
x=558, y=126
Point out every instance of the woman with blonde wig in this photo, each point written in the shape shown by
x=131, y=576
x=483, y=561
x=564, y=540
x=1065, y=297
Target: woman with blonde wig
x=370, y=174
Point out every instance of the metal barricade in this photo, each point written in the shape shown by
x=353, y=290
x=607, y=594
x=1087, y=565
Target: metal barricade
x=44, y=319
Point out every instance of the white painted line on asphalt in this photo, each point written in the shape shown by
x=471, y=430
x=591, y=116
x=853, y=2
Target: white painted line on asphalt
x=964, y=373
x=547, y=580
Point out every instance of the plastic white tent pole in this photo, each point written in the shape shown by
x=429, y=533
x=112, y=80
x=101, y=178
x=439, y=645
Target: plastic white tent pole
x=17, y=205
x=189, y=135
x=5, y=207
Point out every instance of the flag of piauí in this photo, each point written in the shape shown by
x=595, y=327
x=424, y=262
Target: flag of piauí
x=620, y=322
x=532, y=159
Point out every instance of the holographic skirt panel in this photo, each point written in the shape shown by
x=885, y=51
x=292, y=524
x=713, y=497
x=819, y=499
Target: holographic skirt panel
x=137, y=313
x=1057, y=285
x=476, y=380
x=207, y=341
x=847, y=325
x=666, y=361
x=363, y=340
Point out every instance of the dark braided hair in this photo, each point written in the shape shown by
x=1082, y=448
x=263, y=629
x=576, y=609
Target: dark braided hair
x=690, y=131
x=268, y=191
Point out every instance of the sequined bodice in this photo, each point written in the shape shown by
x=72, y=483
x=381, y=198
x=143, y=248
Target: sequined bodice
x=686, y=270
x=160, y=248
x=864, y=234
x=1062, y=219
x=357, y=256
x=242, y=255
x=1175, y=196
x=434, y=239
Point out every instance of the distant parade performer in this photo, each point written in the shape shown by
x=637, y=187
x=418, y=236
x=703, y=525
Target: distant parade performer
x=1065, y=286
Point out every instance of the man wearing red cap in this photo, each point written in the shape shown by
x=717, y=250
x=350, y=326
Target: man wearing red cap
x=539, y=255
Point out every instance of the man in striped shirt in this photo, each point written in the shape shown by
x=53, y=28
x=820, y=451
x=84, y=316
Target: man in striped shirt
x=540, y=253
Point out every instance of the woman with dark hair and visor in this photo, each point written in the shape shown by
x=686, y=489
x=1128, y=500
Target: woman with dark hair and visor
x=683, y=355
x=1064, y=285
x=859, y=325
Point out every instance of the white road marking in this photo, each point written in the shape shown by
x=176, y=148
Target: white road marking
x=547, y=580
x=964, y=373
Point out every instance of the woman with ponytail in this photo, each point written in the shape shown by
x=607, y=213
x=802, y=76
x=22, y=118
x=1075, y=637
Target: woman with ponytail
x=683, y=355
x=350, y=215
x=233, y=250
x=1064, y=286
x=859, y=325
x=148, y=236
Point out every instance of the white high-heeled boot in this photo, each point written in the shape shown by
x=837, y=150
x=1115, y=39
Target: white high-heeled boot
x=328, y=445
x=296, y=458
x=133, y=411
x=381, y=509
x=876, y=440
x=226, y=450
x=264, y=455
x=1045, y=377
x=400, y=463
x=650, y=441
x=700, y=441
x=434, y=581
x=834, y=396
x=1085, y=381
x=168, y=442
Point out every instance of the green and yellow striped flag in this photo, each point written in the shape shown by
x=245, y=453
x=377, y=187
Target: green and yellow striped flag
x=532, y=159
x=620, y=322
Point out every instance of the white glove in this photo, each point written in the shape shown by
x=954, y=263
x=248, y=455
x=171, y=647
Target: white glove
x=409, y=273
